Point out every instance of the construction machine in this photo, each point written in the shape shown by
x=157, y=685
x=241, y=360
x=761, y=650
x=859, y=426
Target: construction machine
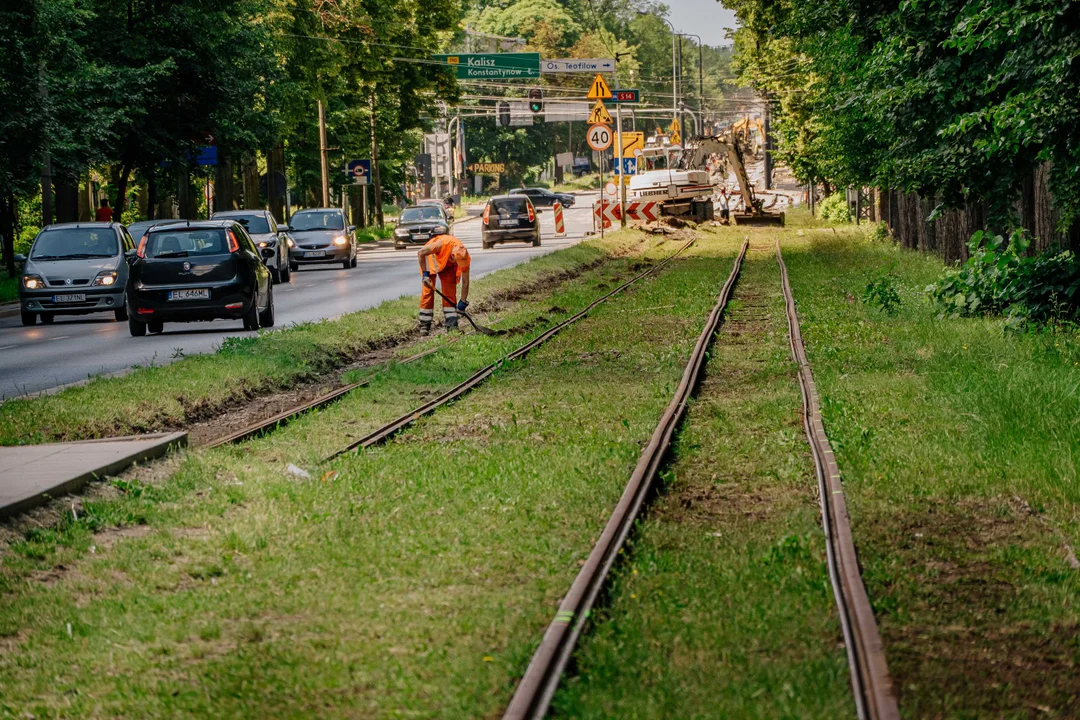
x=684, y=188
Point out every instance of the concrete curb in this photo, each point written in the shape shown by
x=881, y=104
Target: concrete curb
x=26, y=483
x=9, y=310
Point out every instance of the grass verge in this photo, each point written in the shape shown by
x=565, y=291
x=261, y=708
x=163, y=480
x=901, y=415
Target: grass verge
x=959, y=447
x=199, y=387
x=413, y=579
x=724, y=608
x=9, y=288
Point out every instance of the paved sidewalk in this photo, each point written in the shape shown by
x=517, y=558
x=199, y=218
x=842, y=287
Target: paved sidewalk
x=33, y=474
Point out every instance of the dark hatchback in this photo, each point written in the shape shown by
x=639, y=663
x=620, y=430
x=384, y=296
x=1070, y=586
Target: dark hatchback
x=542, y=197
x=510, y=218
x=420, y=223
x=202, y=270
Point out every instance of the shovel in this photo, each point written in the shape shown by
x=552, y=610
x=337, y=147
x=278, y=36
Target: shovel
x=477, y=328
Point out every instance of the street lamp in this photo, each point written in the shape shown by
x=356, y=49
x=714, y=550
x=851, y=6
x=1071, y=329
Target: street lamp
x=700, y=77
x=674, y=81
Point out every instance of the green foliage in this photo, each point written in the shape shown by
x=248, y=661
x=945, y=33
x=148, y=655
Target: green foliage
x=1000, y=278
x=878, y=232
x=881, y=292
x=834, y=209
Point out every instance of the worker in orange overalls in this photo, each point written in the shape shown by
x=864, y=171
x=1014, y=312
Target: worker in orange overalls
x=445, y=257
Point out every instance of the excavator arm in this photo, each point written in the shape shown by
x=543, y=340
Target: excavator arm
x=705, y=145
x=701, y=147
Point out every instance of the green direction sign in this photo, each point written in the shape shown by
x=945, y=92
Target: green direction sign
x=502, y=66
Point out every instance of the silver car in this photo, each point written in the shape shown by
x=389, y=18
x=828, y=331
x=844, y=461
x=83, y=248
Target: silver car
x=267, y=234
x=322, y=236
x=75, y=269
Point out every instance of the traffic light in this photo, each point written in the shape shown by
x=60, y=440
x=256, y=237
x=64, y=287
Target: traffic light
x=536, y=100
x=423, y=167
x=504, y=114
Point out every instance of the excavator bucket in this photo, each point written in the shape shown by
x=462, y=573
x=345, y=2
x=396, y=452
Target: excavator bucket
x=759, y=219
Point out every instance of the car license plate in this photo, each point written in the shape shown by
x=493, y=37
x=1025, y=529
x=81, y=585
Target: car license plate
x=315, y=254
x=196, y=294
x=79, y=297
x=507, y=223
x=422, y=236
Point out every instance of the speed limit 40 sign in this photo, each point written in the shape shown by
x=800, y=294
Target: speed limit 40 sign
x=599, y=137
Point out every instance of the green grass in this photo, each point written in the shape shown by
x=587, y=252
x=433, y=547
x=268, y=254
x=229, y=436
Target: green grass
x=198, y=387
x=413, y=580
x=944, y=429
x=9, y=288
x=724, y=608
x=374, y=233
x=590, y=181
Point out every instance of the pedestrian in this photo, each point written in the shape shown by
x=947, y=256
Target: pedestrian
x=443, y=257
x=104, y=213
x=724, y=207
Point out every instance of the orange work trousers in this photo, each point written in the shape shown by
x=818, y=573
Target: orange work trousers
x=448, y=282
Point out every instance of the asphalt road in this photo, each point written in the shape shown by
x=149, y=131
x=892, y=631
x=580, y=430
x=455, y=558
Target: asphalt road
x=33, y=359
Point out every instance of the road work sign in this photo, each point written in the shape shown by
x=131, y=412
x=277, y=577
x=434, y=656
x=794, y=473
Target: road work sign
x=578, y=65
x=599, y=137
x=493, y=65
x=632, y=144
x=674, y=127
x=358, y=171
x=599, y=114
x=599, y=89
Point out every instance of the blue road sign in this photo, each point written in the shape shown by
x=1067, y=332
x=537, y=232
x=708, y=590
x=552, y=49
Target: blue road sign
x=629, y=166
x=206, y=155
x=359, y=171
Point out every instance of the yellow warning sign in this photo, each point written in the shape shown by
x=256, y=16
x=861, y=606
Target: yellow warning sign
x=675, y=127
x=676, y=138
x=599, y=89
x=631, y=143
x=599, y=114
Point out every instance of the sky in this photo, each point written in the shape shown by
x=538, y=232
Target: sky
x=707, y=18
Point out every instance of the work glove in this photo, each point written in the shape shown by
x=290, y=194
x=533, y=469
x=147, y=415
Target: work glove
x=462, y=305
x=427, y=278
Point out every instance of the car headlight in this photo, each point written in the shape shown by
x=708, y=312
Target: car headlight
x=440, y=230
x=401, y=232
x=263, y=243
x=291, y=243
x=33, y=282
x=107, y=277
x=340, y=240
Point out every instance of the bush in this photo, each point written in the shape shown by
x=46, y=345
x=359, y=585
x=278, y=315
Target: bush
x=877, y=232
x=998, y=278
x=881, y=292
x=835, y=209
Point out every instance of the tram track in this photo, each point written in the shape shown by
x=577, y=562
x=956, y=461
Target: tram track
x=871, y=683
x=386, y=431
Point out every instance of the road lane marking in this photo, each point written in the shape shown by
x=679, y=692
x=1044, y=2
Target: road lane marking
x=8, y=347
x=62, y=337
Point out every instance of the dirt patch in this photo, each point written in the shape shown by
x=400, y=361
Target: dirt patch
x=954, y=612
x=701, y=502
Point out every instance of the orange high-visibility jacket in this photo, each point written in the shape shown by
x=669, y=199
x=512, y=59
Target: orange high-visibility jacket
x=444, y=247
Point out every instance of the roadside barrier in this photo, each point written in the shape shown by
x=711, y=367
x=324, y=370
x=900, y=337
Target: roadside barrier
x=560, y=228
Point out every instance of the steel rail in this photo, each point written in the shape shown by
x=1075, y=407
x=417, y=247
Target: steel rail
x=541, y=678
x=872, y=685
x=390, y=429
x=321, y=401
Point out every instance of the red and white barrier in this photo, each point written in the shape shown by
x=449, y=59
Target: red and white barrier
x=560, y=228
x=642, y=211
x=606, y=212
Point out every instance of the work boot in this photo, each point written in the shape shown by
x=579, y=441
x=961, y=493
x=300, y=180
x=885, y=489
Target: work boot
x=425, y=327
x=451, y=323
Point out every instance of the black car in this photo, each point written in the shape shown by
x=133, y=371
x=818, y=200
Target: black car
x=545, y=198
x=420, y=223
x=199, y=271
x=264, y=230
x=510, y=218
x=322, y=236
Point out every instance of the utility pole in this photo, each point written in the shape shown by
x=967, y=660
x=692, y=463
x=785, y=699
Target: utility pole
x=46, y=162
x=375, y=162
x=767, y=142
x=680, y=78
x=324, y=155
x=618, y=155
